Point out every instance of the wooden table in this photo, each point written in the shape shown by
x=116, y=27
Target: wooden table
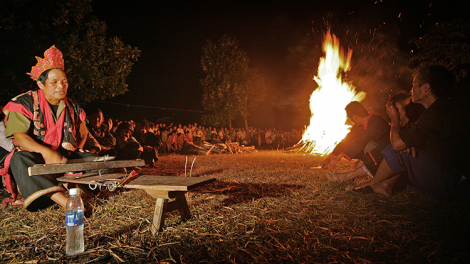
x=162, y=188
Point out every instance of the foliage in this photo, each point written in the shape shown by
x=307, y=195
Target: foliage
x=252, y=93
x=447, y=44
x=230, y=87
x=96, y=66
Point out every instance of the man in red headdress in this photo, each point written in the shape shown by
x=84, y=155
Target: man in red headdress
x=47, y=127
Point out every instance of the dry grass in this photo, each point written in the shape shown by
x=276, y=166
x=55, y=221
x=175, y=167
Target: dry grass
x=266, y=207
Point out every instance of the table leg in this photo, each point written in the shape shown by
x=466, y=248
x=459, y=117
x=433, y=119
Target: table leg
x=183, y=207
x=159, y=215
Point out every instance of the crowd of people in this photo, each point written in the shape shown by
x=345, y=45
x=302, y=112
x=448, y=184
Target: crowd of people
x=426, y=140
x=170, y=138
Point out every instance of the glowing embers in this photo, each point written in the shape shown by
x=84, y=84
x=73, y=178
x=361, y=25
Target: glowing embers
x=327, y=123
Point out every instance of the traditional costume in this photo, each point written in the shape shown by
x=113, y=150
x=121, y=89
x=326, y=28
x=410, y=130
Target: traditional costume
x=54, y=126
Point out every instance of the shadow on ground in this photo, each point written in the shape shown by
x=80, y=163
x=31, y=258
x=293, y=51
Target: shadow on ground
x=244, y=192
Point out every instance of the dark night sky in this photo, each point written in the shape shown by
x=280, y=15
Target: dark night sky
x=282, y=39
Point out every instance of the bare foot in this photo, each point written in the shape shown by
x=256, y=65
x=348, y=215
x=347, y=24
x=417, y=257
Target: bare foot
x=386, y=187
x=382, y=188
x=356, y=187
x=337, y=177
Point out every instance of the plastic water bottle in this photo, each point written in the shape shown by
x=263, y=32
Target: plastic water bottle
x=74, y=220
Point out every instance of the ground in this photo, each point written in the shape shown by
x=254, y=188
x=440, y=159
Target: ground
x=265, y=207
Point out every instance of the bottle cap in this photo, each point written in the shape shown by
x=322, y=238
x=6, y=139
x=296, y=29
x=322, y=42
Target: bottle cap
x=73, y=191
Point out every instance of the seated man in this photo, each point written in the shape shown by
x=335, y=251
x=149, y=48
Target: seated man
x=409, y=113
x=440, y=168
x=100, y=131
x=6, y=146
x=149, y=142
x=369, y=131
x=47, y=127
x=127, y=147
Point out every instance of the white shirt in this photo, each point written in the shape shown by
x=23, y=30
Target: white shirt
x=6, y=143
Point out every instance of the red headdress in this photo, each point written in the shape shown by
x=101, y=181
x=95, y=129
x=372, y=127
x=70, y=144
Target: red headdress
x=52, y=60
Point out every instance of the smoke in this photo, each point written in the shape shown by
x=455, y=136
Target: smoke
x=377, y=32
x=379, y=66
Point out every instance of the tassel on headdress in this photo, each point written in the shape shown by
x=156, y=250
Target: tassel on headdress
x=52, y=60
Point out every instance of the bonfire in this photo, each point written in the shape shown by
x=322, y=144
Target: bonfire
x=328, y=118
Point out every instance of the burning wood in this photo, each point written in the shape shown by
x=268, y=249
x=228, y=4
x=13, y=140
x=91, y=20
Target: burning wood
x=296, y=148
x=327, y=123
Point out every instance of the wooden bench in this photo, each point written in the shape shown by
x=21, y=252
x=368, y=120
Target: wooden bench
x=162, y=188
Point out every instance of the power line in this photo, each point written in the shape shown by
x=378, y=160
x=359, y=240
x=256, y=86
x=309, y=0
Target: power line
x=154, y=107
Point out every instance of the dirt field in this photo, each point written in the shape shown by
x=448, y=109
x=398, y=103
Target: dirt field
x=265, y=207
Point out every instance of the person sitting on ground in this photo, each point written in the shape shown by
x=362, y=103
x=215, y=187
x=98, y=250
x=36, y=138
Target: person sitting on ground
x=127, y=147
x=213, y=139
x=100, y=131
x=440, y=168
x=171, y=142
x=180, y=139
x=164, y=137
x=370, y=131
x=116, y=123
x=409, y=113
x=149, y=142
x=6, y=146
x=47, y=128
x=110, y=123
x=5, y=143
x=199, y=134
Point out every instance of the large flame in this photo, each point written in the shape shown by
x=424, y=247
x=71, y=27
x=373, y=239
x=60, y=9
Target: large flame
x=328, y=122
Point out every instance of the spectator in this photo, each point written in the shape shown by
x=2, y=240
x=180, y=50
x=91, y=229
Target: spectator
x=180, y=129
x=149, y=142
x=221, y=133
x=164, y=137
x=189, y=131
x=440, y=168
x=403, y=103
x=368, y=129
x=180, y=141
x=6, y=146
x=199, y=134
x=194, y=132
x=127, y=147
x=100, y=131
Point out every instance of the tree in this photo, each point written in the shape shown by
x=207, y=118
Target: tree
x=252, y=93
x=224, y=64
x=447, y=44
x=96, y=66
x=230, y=87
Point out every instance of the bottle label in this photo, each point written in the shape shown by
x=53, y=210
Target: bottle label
x=74, y=219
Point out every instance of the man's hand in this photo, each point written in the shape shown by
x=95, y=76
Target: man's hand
x=392, y=111
x=53, y=157
x=27, y=143
x=410, y=151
